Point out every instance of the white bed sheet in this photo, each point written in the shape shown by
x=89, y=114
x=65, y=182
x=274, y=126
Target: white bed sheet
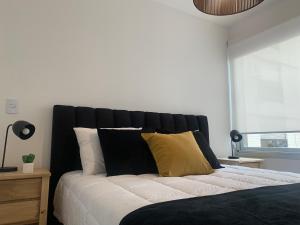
x=101, y=200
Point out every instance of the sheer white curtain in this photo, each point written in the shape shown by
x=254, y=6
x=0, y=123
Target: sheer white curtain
x=265, y=80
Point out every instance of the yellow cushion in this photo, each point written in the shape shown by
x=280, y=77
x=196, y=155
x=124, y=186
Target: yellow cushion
x=177, y=154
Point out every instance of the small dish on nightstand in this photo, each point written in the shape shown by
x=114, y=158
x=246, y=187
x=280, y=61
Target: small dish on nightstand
x=247, y=162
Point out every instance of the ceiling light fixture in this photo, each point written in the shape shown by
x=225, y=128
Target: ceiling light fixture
x=225, y=7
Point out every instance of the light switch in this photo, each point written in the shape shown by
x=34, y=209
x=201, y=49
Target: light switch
x=11, y=106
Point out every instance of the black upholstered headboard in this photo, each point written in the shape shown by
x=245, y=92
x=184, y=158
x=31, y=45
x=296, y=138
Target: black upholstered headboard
x=65, y=151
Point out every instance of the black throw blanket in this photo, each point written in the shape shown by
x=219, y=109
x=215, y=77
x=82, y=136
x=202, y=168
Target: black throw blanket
x=276, y=205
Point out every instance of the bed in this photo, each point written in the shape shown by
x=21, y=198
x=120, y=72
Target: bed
x=99, y=200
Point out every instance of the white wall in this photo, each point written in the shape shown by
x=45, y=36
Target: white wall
x=288, y=165
x=275, y=14
x=288, y=162
x=133, y=54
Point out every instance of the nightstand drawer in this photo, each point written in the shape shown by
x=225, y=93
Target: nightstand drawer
x=11, y=190
x=17, y=212
x=251, y=165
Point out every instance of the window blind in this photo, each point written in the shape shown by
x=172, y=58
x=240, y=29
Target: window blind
x=265, y=80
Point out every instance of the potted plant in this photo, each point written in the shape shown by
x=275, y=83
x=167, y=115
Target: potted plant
x=28, y=164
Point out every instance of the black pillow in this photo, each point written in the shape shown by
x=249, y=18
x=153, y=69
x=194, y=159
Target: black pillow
x=126, y=152
x=206, y=150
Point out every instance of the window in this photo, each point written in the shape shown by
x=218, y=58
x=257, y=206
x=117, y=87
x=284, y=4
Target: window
x=265, y=90
x=285, y=141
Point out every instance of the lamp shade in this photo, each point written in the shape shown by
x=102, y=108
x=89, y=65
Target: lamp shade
x=23, y=129
x=225, y=7
x=235, y=136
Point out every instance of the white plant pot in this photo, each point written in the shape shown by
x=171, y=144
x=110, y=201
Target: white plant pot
x=28, y=167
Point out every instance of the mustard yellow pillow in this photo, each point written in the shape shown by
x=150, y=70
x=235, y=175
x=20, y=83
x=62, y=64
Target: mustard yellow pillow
x=177, y=154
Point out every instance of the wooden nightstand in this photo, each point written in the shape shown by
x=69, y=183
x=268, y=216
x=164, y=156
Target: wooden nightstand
x=24, y=197
x=247, y=162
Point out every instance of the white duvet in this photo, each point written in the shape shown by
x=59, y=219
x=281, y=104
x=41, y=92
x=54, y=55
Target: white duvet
x=101, y=200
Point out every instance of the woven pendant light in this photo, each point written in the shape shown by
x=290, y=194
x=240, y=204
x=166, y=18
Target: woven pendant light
x=225, y=7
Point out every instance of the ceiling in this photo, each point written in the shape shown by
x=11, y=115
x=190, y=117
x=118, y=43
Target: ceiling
x=226, y=21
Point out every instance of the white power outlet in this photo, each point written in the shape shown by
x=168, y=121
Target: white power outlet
x=11, y=106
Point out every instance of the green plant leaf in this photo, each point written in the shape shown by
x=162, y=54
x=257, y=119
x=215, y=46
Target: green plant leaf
x=24, y=158
x=28, y=158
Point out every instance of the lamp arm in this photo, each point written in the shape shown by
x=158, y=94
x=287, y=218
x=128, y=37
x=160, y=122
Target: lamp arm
x=232, y=152
x=5, y=143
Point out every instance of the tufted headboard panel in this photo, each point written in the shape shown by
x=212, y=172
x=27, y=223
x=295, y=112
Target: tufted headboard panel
x=65, y=151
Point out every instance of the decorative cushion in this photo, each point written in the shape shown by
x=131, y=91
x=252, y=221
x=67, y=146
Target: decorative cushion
x=206, y=150
x=125, y=152
x=177, y=154
x=203, y=145
x=90, y=151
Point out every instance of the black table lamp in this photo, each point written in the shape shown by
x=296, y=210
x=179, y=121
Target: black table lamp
x=21, y=129
x=235, y=138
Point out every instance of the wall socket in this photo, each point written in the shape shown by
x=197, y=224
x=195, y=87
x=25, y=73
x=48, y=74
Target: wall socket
x=11, y=106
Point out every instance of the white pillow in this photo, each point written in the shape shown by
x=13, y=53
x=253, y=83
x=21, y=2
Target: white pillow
x=90, y=149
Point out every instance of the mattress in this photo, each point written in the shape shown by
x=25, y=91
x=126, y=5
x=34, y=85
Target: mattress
x=101, y=200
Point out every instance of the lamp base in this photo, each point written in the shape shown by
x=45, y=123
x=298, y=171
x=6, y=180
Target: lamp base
x=233, y=157
x=8, y=169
